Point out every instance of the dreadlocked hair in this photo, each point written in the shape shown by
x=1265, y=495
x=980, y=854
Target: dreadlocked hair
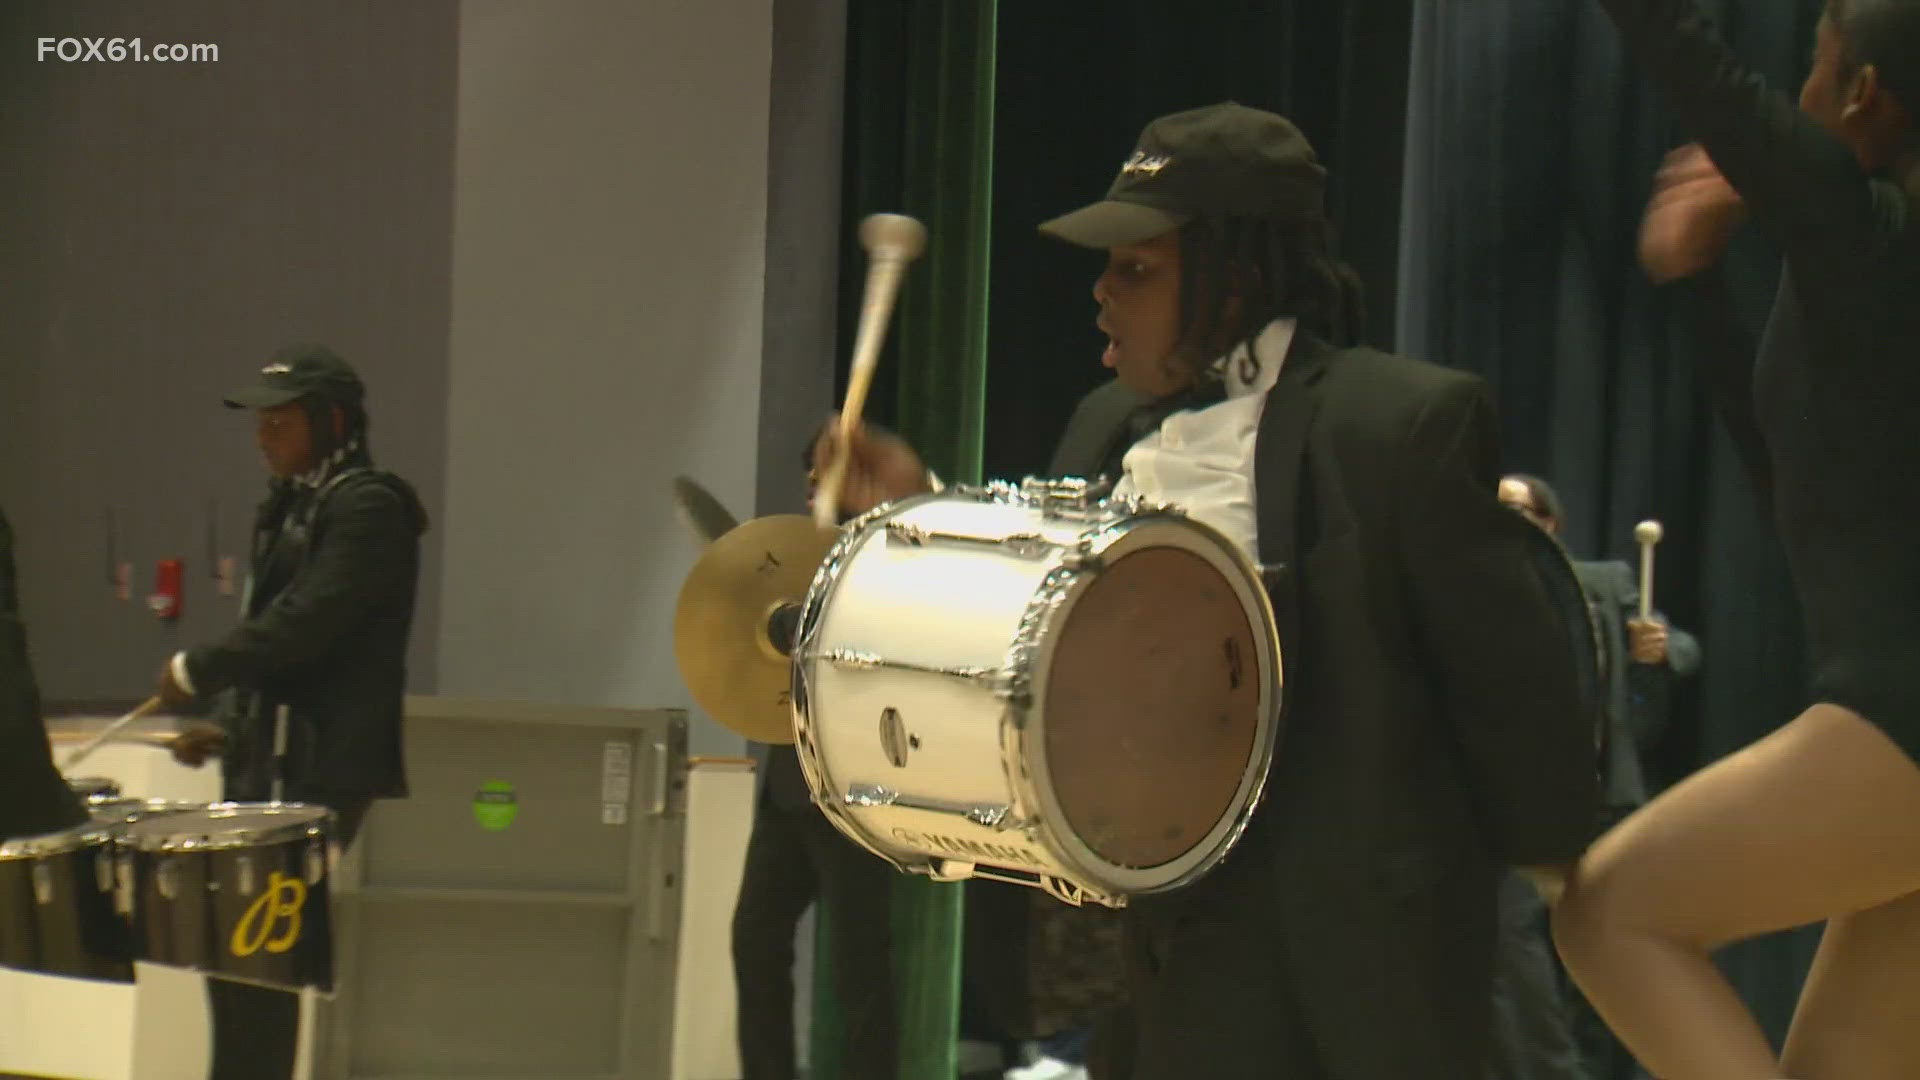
x=1237, y=274
x=326, y=440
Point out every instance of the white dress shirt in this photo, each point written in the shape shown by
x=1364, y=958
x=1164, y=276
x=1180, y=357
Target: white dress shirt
x=1202, y=460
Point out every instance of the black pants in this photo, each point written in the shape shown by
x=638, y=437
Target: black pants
x=1532, y=1022
x=256, y=1029
x=794, y=856
x=1605, y=1056
x=1210, y=984
x=1208, y=1000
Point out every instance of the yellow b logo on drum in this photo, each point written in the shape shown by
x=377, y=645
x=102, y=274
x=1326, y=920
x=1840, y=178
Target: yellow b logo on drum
x=279, y=905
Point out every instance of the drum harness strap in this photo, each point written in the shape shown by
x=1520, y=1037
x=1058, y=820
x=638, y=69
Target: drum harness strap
x=257, y=701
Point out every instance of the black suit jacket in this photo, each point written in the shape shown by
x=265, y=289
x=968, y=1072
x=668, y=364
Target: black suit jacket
x=33, y=797
x=325, y=635
x=1436, y=732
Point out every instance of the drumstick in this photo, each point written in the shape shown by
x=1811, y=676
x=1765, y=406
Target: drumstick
x=892, y=241
x=160, y=739
x=1648, y=533
x=125, y=738
x=97, y=741
x=700, y=512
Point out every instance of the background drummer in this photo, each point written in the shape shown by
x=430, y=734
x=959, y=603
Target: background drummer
x=794, y=857
x=320, y=650
x=1434, y=729
x=1645, y=656
x=1551, y=1030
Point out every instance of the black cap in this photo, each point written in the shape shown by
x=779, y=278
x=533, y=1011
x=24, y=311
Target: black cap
x=1224, y=159
x=299, y=371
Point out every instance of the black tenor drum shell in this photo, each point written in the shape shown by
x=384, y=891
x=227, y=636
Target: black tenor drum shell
x=57, y=913
x=235, y=891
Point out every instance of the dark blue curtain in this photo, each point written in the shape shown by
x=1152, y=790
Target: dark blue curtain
x=1531, y=146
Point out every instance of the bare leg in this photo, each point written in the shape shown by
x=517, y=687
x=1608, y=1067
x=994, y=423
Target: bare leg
x=1859, y=1016
x=1819, y=819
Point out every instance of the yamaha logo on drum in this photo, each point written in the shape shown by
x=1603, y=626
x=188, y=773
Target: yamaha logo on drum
x=949, y=845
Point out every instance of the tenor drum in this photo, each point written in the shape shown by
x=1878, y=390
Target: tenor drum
x=124, y=809
x=1035, y=685
x=57, y=913
x=234, y=890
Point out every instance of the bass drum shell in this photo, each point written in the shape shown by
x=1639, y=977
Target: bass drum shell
x=1085, y=699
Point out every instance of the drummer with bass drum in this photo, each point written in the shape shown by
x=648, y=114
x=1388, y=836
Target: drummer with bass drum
x=1438, y=727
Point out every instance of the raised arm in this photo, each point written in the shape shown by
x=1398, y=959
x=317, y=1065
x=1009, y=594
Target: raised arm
x=1805, y=188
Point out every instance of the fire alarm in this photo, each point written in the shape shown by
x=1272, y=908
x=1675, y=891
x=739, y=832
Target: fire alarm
x=168, y=577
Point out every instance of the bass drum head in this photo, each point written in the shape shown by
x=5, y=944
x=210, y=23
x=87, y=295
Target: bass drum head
x=1153, y=707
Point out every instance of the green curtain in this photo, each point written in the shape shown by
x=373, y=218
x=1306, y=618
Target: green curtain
x=919, y=140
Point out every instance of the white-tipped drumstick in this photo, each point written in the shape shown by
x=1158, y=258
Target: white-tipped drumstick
x=892, y=241
x=1648, y=533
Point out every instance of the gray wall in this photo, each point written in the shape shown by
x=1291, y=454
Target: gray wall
x=608, y=268
x=804, y=233
x=803, y=236
x=546, y=234
x=164, y=228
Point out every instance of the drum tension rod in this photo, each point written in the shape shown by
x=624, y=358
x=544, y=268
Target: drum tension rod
x=1000, y=818
x=1020, y=545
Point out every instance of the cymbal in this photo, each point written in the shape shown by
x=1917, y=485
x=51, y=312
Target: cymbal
x=720, y=634
x=702, y=513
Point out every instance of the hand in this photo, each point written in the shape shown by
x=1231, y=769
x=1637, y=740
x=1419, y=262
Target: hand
x=882, y=468
x=1694, y=212
x=198, y=742
x=170, y=692
x=1647, y=641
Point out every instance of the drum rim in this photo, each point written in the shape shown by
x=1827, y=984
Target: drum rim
x=825, y=585
x=150, y=806
x=162, y=834
x=1033, y=783
x=91, y=786
x=65, y=841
